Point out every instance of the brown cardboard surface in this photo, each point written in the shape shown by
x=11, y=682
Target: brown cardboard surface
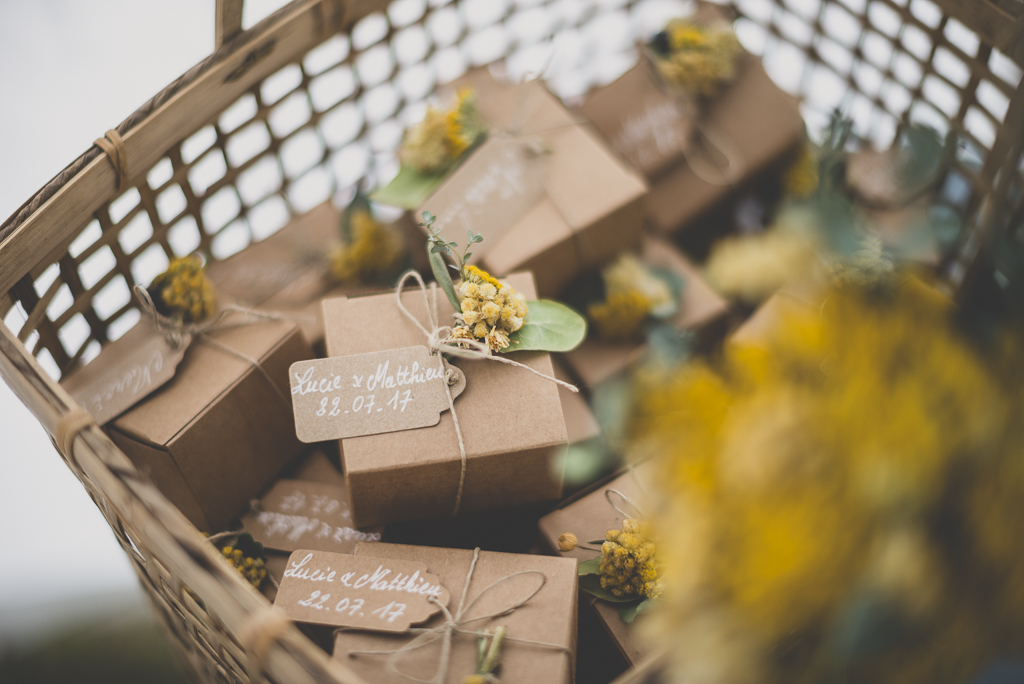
x=756, y=329
x=592, y=208
x=760, y=121
x=643, y=123
x=580, y=423
x=548, y=617
x=589, y=517
x=595, y=361
x=511, y=422
x=217, y=433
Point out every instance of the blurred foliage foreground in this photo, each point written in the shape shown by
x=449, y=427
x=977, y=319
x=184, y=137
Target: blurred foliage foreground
x=841, y=496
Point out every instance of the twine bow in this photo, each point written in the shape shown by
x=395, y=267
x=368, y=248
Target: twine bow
x=178, y=334
x=455, y=624
x=439, y=340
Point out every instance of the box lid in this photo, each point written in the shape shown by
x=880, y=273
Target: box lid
x=203, y=376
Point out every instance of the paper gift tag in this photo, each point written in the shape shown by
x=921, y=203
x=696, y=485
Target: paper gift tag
x=380, y=594
x=368, y=394
x=127, y=371
x=297, y=514
x=489, y=193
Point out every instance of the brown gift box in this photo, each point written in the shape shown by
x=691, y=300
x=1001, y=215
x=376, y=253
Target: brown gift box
x=758, y=120
x=288, y=273
x=591, y=207
x=595, y=361
x=511, y=420
x=218, y=433
x=589, y=516
x=548, y=617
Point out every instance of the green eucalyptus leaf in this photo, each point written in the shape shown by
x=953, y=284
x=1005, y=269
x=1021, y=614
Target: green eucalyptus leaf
x=597, y=541
x=444, y=280
x=629, y=613
x=409, y=189
x=592, y=585
x=550, y=327
x=590, y=567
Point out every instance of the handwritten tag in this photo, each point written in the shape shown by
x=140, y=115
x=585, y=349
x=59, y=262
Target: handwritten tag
x=368, y=394
x=489, y=193
x=127, y=371
x=380, y=594
x=654, y=134
x=297, y=514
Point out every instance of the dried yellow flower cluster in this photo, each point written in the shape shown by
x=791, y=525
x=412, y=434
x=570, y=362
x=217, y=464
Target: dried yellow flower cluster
x=437, y=142
x=699, y=59
x=752, y=267
x=183, y=291
x=491, y=310
x=848, y=492
x=375, y=252
x=251, y=568
x=632, y=293
x=629, y=561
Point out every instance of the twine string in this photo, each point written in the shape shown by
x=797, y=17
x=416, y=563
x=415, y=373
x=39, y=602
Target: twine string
x=113, y=144
x=455, y=624
x=178, y=334
x=439, y=341
x=608, y=495
x=68, y=427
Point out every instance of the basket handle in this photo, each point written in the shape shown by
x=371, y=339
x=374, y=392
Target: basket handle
x=228, y=21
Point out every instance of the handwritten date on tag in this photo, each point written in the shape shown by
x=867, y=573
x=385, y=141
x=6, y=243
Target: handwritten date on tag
x=368, y=394
x=128, y=370
x=380, y=594
x=297, y=514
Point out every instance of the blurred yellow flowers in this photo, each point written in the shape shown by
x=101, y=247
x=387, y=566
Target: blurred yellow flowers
x=698, y=59
x=436, y=143
x=183, y=291
x=375, y=252
x=845, y=496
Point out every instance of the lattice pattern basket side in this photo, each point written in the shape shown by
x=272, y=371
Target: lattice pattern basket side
x=313, y=100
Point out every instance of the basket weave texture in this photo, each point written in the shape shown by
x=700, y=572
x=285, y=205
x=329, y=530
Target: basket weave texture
x=313, y=100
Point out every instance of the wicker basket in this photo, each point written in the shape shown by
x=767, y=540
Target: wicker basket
x=314, y=98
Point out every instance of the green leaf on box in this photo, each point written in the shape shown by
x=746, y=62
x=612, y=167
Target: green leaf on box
x=550, y=327
x=591, y=583
x=589, y=567
x=444, y=280
x=409, y=189
x=629, y=613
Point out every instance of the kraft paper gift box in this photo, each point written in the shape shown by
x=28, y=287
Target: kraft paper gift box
x=549, y=617
x=644, y=124
x=588, y=210
x=511, y=422
x=589, y=516
x=218, y=433
x=699, y=307
x=288, y=272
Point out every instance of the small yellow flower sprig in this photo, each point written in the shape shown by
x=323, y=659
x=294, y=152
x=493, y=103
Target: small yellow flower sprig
x=252, y=569
x=372, y=251
x=629, y=561
x=442, y=137
x=491, y=310
x=183, y=291
x=697, y=59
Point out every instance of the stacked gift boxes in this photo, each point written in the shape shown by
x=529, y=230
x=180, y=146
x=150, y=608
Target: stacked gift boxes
x=558, y=196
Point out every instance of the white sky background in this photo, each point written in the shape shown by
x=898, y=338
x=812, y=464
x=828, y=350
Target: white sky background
x=70, y=70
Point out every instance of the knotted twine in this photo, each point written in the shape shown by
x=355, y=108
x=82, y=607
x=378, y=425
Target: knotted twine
x=113, y=145
x=175, y=332
x=439, y=340
x=454, y=624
